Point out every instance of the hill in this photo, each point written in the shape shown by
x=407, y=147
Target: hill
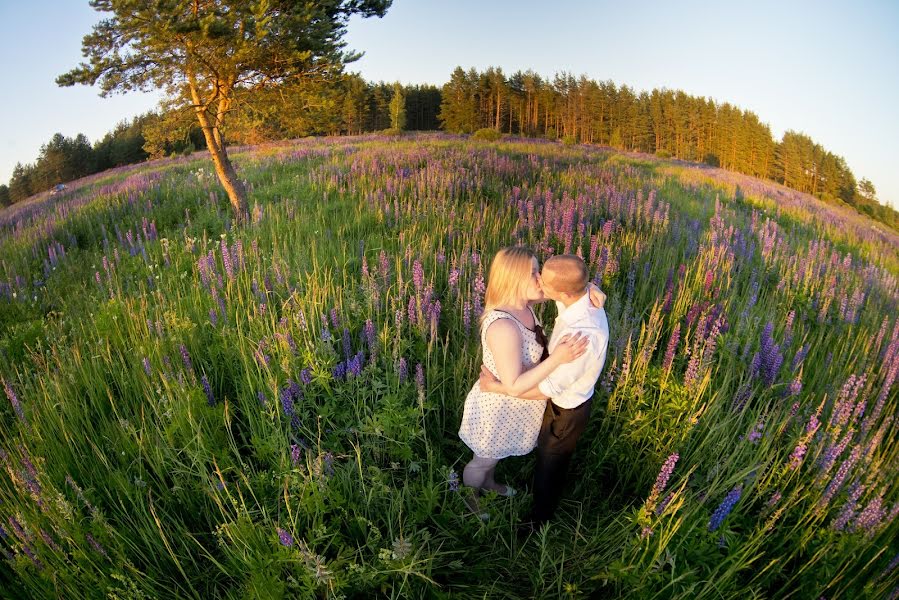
x=198, y=409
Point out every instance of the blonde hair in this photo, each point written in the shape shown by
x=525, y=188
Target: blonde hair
x=569, y=273
x=510, y=274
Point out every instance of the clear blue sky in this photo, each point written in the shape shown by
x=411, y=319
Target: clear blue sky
x=828, y=69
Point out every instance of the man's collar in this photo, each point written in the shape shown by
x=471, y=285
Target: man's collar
x=575, y=311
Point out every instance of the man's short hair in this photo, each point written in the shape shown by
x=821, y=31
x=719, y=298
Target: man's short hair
x=569, y=273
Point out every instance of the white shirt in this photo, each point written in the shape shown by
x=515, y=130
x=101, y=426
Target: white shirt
x=572, y=384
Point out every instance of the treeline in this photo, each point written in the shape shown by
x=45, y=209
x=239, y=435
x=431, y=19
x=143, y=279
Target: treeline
x=349, y=105
x=63, y=159
x=667, y=123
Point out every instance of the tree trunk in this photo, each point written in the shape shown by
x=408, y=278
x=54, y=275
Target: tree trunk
x=237, y=193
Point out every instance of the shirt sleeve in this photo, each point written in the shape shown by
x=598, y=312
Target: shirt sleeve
x=565, y=375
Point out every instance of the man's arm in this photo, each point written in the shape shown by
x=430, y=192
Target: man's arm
x=565, y=375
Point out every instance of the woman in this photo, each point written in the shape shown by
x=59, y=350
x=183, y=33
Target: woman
x=495, y=426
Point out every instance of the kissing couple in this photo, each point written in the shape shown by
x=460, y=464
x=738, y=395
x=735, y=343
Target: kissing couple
x=533, y=391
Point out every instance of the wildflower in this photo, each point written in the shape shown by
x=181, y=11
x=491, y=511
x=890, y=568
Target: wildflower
x=725, y=507
x=420, y=377
x=285, y=537
x=672, y=348
x=847, y=513
x=295, y=455
x=226, y=260
x=418, y=275
x=402, y=370
x=453, y=481
x=96, y=545
x=185, y=358
x=662, y=480
x=14, y=400
x=263, y=401
x=838, y=478
x=371, y=339
x=207, y=389
x=664, y=503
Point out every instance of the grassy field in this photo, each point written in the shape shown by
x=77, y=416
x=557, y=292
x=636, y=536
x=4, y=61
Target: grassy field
x=203, y=409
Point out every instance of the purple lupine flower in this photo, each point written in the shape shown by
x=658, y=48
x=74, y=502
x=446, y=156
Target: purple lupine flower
x=775, y=498
x=839, y=477
x=34, y=559
x=213, y=317
x=466, y=316
x=418, y=275
x=328, y=464
x=226, y=260
x=725, y=507
x=335, y=319
x=354, y=365
x=662, y=479
x=664, y=503
x=412, y=310
x=419, y=377
x=260, y=396
x=893, y=564
x=96, y=545
x=285, y=538
x=48, y=539
x=798, y=454
x=146, y=363
x=339, y=371
x=306, y=376
x=286, y=396
x=384, y=265
x=402, y=370
x=18, y=529
x=207, y=389
x=347, y=344
x=795, y=386
x=365, y=272
x=871, y=516
x=185, y=358
x=847, y=513
x=14, y=400
x=756, y=433
x=453, y=481
x=371, y=339
x=295, y=455
x=435, y=317
x=453, y=279
x=672, y=348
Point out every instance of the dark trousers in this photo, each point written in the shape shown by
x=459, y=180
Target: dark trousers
x=558, y=436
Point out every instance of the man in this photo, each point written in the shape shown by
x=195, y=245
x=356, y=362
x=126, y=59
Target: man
x=570, y=387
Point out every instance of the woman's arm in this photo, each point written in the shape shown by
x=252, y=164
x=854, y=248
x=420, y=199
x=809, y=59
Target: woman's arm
x=597, y=297
x=504, y=341
x=489, y=383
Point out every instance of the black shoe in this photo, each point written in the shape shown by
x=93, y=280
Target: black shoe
x=528, y=527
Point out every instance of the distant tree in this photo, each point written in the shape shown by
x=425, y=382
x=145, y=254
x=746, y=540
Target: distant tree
x=355, y=104
x=20, y=184
x=5, y=200
x=458, y=106
x=866, y=189
x=398, y=108
x=201, y=52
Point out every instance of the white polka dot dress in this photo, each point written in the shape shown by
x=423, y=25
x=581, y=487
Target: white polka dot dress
x=496, y=425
